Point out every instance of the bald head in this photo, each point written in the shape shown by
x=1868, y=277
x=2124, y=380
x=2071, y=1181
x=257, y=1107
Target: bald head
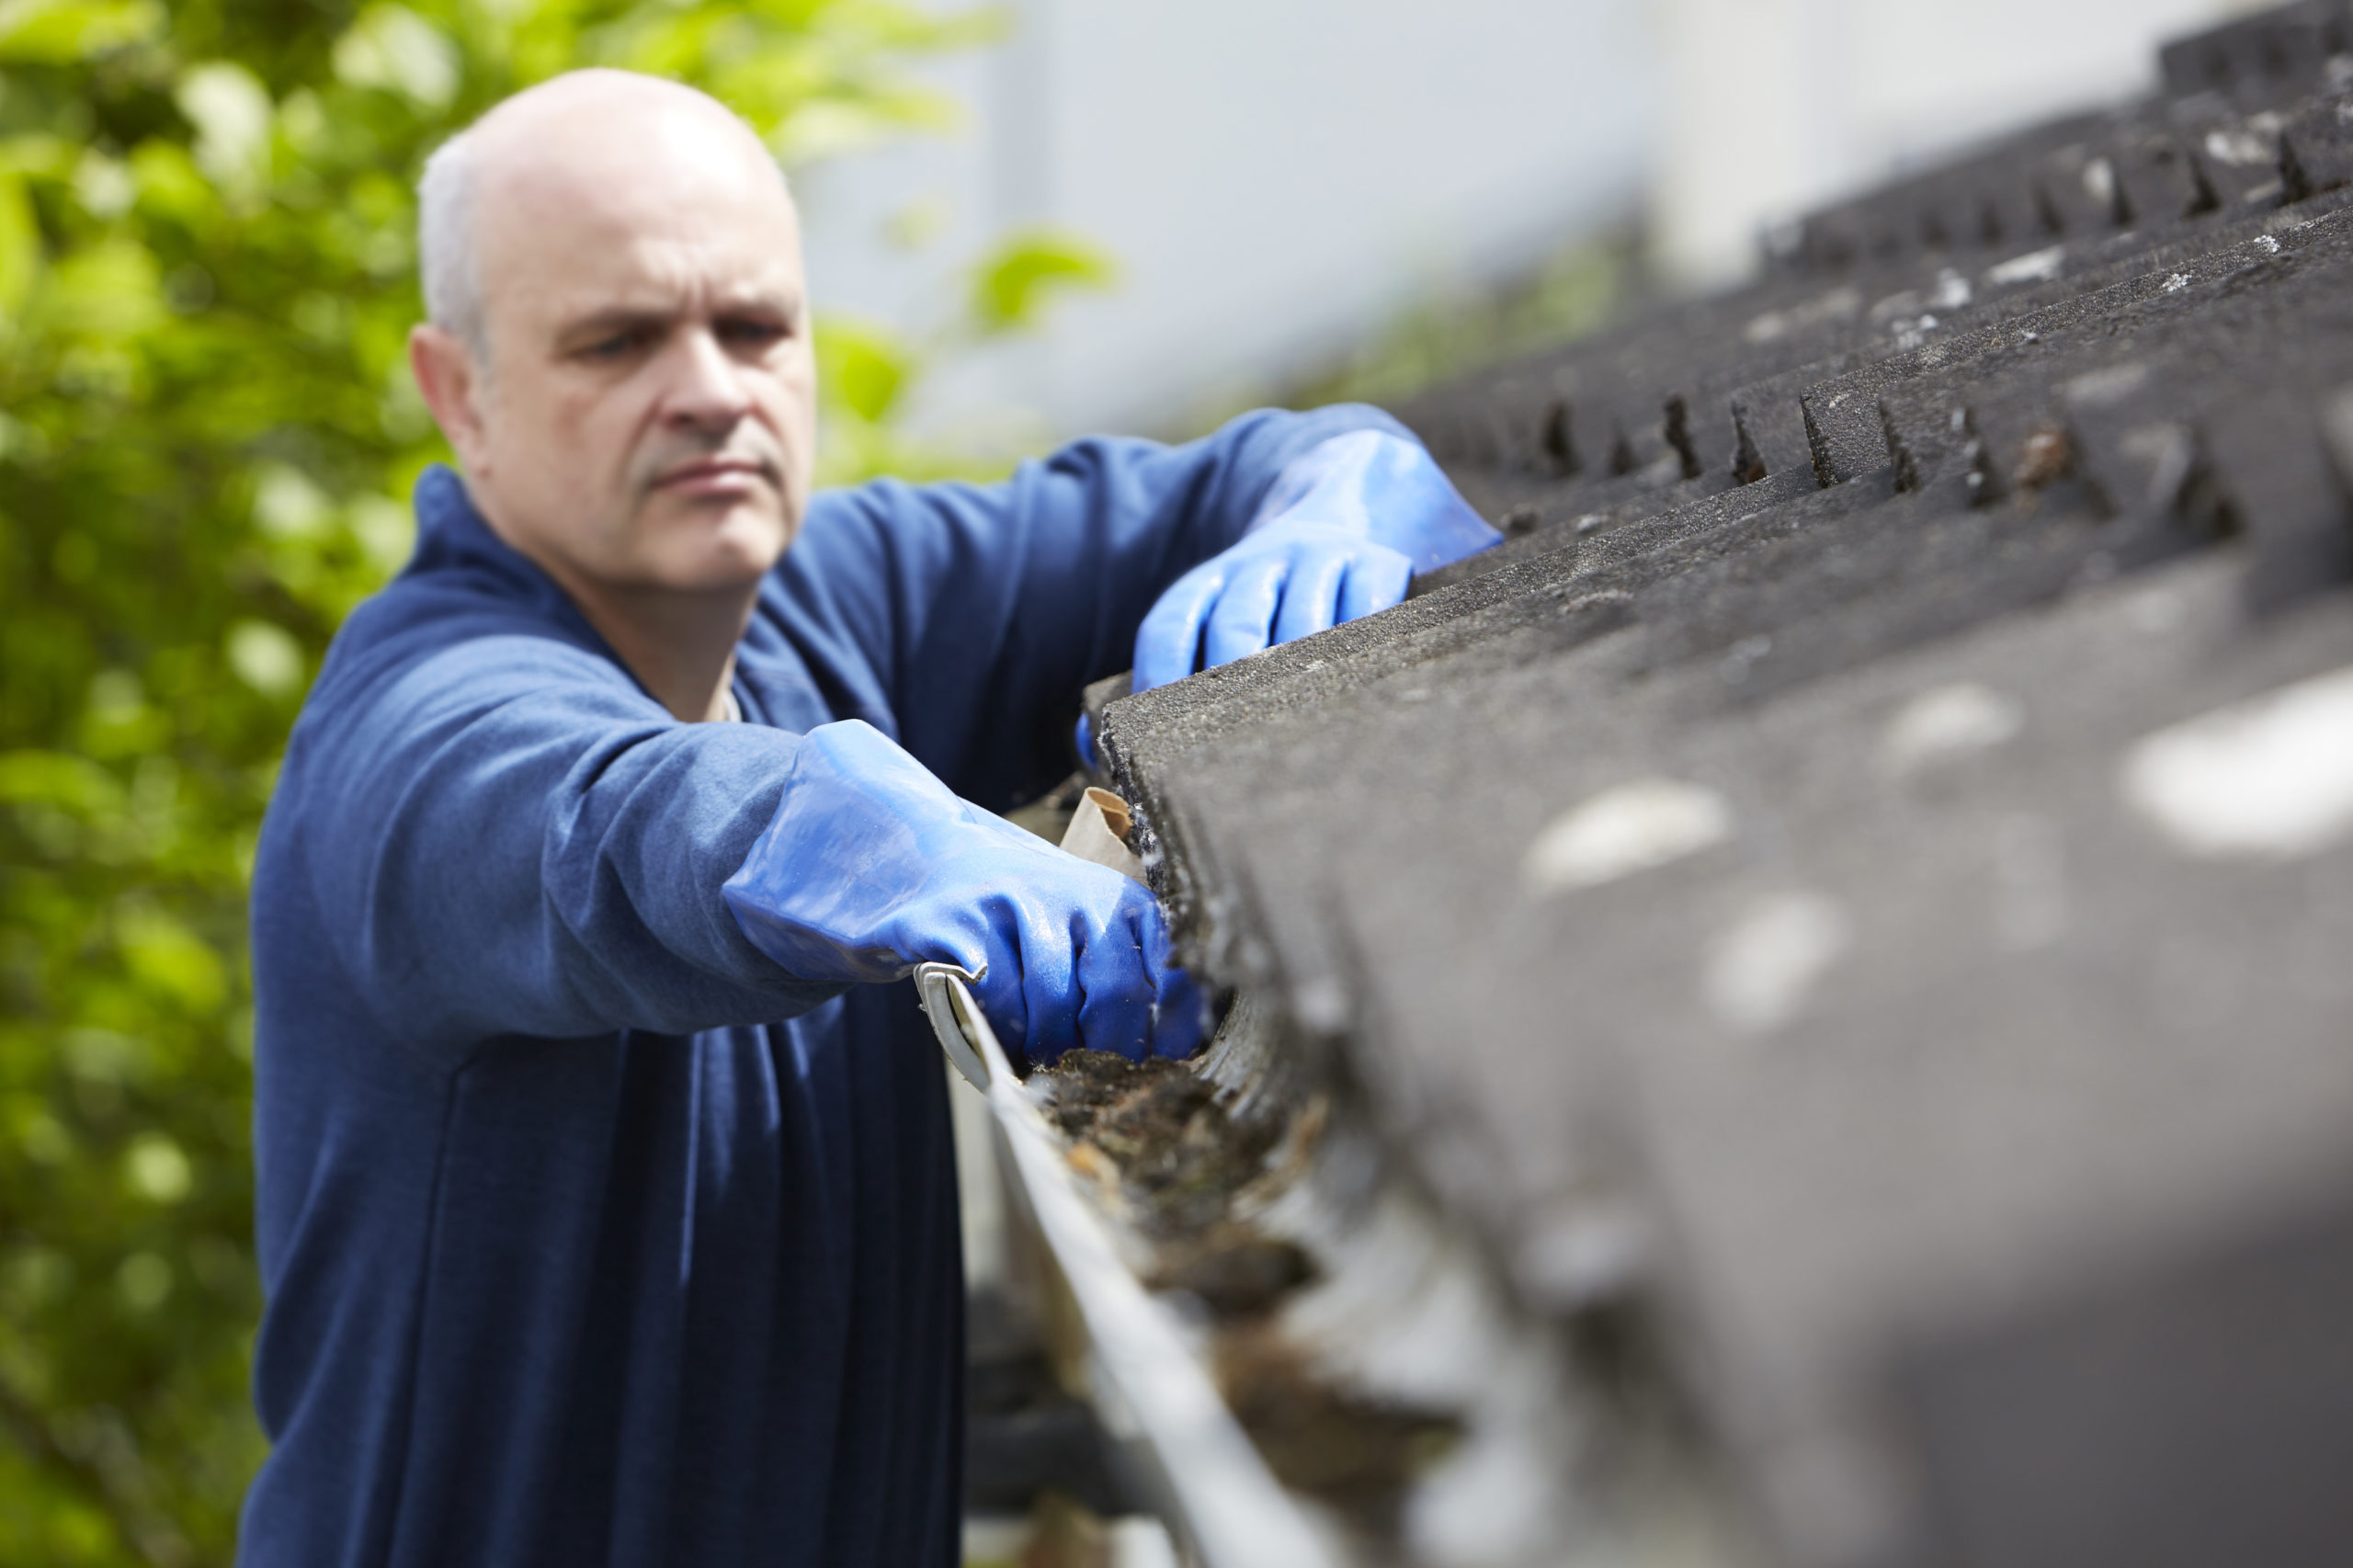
x=618, y=349
x=575, y=137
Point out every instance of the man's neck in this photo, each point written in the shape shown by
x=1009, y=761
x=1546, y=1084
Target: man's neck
x=676, y=641
x=680, y=643
x=680, y=646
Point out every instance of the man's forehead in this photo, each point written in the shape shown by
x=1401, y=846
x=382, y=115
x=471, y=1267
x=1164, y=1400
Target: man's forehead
x=655, y=277
x=641, y=231
x=628, y=186
x=647, y=279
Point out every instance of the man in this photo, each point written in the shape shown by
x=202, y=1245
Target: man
x=606, y=1204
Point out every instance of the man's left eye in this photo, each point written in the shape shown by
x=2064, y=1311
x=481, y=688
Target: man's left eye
x=754, y=334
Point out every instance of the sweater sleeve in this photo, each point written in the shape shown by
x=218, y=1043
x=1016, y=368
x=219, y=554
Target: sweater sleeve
x=980, y=612
x=502, y=834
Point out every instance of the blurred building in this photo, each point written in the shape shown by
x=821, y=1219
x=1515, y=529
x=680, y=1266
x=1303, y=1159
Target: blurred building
x=1276, y=183
x=1273, y=181
x=1771, y=107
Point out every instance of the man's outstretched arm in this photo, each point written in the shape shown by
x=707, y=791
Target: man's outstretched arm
x=501, y=833
x=983, y=610
x=506, y=836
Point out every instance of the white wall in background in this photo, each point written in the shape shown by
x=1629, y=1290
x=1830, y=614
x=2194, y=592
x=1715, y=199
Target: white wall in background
x=1276, y=178
x=1776, y=106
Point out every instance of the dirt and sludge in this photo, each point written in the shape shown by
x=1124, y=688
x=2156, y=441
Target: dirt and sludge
x=1156, y=1128
x=1355, y=1453
x=1214, y=1172
x=1191, y=1172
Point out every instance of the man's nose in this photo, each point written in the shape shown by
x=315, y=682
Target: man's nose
x=707, y=388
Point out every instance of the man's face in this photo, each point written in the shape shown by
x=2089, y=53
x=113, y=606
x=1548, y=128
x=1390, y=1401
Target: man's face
x=647, y=418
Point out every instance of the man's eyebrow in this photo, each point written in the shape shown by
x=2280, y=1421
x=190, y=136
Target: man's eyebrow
x=613, y=319
x=590, y=325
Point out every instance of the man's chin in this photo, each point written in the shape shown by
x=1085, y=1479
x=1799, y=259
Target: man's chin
x=712, y=548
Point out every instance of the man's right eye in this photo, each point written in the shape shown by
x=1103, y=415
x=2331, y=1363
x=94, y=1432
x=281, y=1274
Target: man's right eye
x=615, y=345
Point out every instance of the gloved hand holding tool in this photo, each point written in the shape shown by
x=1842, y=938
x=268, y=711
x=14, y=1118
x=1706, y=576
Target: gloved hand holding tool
x=872, y=866
x=1340, y=534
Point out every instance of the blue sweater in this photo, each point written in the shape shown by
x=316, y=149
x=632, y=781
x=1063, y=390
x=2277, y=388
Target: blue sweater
x=590, y=1235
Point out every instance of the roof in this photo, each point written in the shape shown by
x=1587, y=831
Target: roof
x=1859, y=883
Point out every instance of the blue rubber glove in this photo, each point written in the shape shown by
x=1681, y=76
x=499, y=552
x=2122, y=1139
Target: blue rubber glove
x=871, y=866
x=1339, y=534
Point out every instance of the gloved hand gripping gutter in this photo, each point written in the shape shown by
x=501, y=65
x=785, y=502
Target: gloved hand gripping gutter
x=871, y=866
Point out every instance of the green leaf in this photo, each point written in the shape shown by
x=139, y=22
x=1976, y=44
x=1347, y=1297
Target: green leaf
x=861, y=366
x=287, y=504
x=155, y=1169
x=20, y=247
x=144, y=1281
x=393, y=50
x=230, y=111
x=825, y=129
x=169, y=184
x=1013, y=285
x=58, y=32
x=70, y=783
x=166, y=957
x=266, y=657
x=108, y=292
x=36, y=153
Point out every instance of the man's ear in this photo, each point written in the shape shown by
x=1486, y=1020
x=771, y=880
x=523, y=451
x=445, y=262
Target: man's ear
x=452, y=384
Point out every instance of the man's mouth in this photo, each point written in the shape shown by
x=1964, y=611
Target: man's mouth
x=712, y=476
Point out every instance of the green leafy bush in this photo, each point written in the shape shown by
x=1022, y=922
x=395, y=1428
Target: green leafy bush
x=207, y=440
